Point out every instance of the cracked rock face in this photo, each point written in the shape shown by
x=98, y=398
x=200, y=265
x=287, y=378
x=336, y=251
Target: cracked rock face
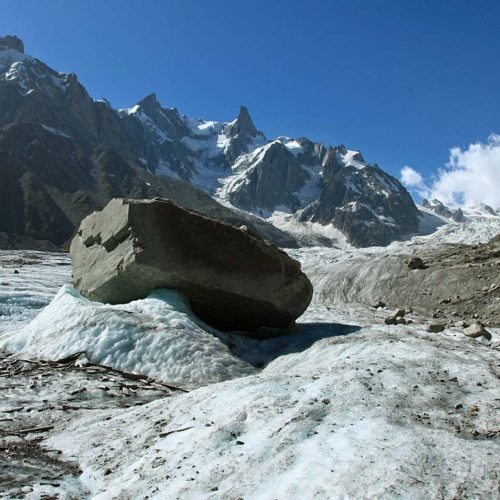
x=234, y=280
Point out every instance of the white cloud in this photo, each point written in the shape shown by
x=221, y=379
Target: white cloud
x=411, y=178
x=471, y=177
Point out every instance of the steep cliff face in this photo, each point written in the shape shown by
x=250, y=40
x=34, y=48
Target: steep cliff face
x=369, y=206
x=65, y=154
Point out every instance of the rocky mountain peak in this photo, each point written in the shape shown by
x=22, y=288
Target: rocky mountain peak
x=358, y=157
x=243, y=125
x=487, y=209
x=458, y=216
x=155, y=146
x=11, y=42
x=150, y=103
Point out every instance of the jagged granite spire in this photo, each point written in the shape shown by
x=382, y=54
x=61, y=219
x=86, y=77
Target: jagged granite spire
x=150, y=103
x=243, y=125
x=12, y=42
x=458, y=215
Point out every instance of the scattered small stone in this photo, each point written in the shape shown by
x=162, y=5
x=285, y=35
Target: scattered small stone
x=78, y=391
x=445, y=301
x=380, y=303
x=398, y=313
x=240, y=442
x=416, y=263
x=477, y=330
x=473, y=409
x=396, y=317
x=16, y=271
x=435, y=328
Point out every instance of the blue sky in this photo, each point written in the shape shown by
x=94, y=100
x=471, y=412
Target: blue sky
x=403, y=81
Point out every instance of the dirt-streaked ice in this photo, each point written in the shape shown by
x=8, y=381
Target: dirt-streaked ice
x=360, y=410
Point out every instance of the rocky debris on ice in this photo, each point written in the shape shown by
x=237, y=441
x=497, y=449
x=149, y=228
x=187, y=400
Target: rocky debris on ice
x=374, y=411
x=416, y=263
x=461, y=282
x=233, y=279
x=39, y=394
x=435, y=327
x=375, y=414
x=397, y=317
x=477, y=330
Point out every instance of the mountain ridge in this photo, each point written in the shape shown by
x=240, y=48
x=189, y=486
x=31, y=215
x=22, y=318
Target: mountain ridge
x=146, y=150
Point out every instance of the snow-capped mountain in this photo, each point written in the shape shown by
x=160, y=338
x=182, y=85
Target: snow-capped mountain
x=461, y=213
x=65, y=154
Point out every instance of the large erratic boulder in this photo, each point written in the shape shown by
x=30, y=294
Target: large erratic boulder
x=234, y=279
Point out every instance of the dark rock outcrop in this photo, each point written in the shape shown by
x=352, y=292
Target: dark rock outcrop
x=233, y=279
x=458, y=216
x=12, y=42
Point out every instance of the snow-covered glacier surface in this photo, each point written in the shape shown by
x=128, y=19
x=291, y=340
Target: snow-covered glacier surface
x=343, y=406
x=367, y=415
x=28, y=282
x=156, y=336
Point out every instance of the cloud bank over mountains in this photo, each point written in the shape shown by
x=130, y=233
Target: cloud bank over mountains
x=471, y=177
